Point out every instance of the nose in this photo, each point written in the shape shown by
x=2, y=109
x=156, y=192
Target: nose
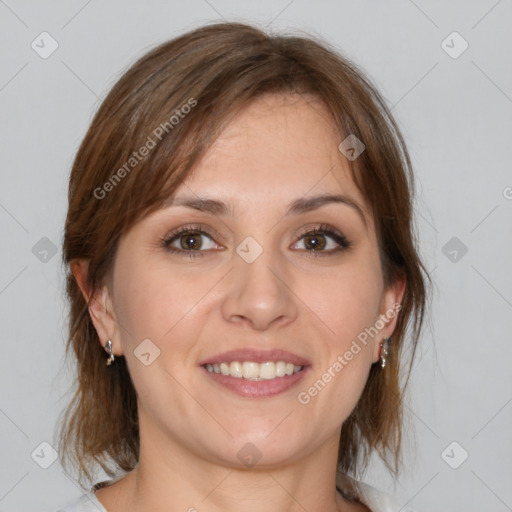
x=259, y=294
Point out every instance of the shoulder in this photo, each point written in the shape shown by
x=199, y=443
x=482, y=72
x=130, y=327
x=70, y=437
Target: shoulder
x=379, y=501
x=375, y=499
x=87, y=503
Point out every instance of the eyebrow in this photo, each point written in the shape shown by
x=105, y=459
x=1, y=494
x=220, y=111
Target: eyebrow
x=299, y=206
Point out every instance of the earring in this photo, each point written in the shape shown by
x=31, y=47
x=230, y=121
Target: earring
x=111, y=356
x=384, y=351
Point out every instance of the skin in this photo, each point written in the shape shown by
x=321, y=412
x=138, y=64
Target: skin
x=276, y=150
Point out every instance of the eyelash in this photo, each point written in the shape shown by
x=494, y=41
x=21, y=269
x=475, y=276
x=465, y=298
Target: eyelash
x=324, y=229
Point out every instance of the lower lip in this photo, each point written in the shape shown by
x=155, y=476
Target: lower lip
x=257, y=388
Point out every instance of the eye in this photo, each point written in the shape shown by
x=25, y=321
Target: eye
x=194, y=241
x=190, y=239
x=322, y=239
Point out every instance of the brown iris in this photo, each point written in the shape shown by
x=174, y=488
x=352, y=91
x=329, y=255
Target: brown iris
x=314, y=241
x=191, y=241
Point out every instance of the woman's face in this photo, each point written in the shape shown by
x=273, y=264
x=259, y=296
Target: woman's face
x=262, y=274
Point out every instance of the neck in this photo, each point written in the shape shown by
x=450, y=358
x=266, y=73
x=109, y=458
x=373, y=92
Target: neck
x=169, y=476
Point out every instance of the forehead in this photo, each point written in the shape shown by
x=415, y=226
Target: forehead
x=276, y=147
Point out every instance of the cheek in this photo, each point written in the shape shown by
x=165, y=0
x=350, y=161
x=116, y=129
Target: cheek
x=156, y=302
x=347, y=301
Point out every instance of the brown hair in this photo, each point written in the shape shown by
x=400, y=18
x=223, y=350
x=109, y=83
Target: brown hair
x=216, y=70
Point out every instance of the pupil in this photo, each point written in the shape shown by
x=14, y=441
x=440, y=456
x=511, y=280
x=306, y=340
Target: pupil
x=315, y=242
x=191, y=241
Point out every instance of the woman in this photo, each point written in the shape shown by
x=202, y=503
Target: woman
x=239, y=241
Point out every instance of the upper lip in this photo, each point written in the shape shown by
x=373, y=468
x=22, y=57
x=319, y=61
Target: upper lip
x=256, y=356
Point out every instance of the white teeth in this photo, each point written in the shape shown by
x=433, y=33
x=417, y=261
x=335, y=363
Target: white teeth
x=250, y=370
x=255, y=371
x=280, y=369
x=235, y=369
x=268, y=370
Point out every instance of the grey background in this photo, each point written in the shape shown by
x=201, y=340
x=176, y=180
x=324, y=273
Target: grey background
x=456, y=116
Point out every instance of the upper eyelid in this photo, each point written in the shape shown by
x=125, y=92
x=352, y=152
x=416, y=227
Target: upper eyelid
x=299, y=234
x=195, y=227
x=211, y=232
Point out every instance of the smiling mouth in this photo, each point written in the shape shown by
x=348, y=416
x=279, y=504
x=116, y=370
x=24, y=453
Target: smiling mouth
x=249, y=370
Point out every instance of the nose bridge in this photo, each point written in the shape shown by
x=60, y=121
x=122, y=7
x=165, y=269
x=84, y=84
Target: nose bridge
x=254, y=262
x=257, y=290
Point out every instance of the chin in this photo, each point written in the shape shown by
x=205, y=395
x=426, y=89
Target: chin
x=259, y=450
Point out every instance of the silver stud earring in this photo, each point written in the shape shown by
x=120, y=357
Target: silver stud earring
x=111, y=357
x=384, y=345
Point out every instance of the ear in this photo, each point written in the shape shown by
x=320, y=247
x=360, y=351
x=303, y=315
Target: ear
x=390, y=306
x=100, y=306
